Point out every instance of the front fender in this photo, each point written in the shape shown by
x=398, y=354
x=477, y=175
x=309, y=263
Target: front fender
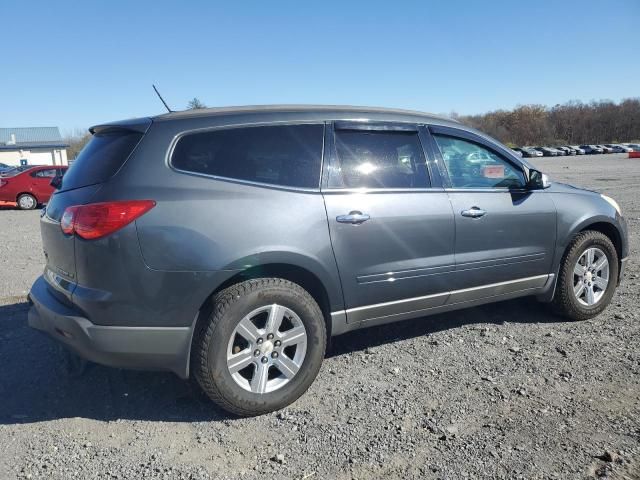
x=576, y=213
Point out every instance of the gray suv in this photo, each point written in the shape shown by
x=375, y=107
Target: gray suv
x=230, y=244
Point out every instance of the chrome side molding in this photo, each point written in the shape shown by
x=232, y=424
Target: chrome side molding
x=408, y=307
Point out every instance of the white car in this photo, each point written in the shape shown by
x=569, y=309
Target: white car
x=617, y=148
x=533, y=151
x=579, y=151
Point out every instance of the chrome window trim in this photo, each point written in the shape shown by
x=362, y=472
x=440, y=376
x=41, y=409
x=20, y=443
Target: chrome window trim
x=375, y=126
x=335, y=190
x=489, y=190
x=178, y=136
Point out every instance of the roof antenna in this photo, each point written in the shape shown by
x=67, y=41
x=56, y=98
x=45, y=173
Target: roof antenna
x=161, y=99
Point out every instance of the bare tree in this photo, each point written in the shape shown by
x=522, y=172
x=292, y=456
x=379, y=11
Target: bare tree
x=76, y=139
x=573, y=122
x=195, y=104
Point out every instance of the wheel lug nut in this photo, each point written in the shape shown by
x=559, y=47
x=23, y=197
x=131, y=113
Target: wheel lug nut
x=256, y=353
x=277, y=343
x=274, y=354
x=264, y=360
x=259, y=341
x=270, y=336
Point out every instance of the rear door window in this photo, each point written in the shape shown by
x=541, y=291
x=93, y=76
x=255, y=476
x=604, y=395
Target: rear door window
x=101, y=158
x=378, y=159
x=48, y=173
x=285, y=155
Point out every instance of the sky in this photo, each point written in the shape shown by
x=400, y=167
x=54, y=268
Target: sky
x=73, y=64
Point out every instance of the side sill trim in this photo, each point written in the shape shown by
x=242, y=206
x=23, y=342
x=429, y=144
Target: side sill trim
x=368, y=312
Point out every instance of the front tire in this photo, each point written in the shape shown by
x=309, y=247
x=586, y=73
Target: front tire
x=588, y=276
x=26, y=201
x=261, y=347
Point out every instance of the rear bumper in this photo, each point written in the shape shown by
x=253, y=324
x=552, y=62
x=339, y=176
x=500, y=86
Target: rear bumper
x=145, y=348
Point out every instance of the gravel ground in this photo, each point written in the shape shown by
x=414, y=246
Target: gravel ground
x=500, y=391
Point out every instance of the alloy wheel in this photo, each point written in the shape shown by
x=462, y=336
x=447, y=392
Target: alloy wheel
x=591, y=276
x=266, y=349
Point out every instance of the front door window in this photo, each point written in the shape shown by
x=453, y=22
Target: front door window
x=471, y=165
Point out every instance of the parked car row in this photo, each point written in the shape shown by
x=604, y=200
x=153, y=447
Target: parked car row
x=559, y=151
x=635, y=147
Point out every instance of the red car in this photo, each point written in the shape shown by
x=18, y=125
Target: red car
x=31, y=187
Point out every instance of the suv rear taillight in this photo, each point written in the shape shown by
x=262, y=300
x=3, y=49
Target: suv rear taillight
x=96, y=220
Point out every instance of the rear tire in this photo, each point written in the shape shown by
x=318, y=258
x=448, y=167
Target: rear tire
x=589, y=262
x=239, y=357
x=26, y=201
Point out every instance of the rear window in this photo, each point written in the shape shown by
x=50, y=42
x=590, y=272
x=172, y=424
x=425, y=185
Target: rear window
x=101, y=158
x=12, y=173
x=287, y=155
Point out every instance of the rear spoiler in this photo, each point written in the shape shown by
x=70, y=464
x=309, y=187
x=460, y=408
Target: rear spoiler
x=133, y=124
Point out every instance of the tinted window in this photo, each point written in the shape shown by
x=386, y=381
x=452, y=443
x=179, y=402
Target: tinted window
x=471, y=165
x=378, y=159
x=101, y=158
x=287, y=155
x=12, y=172
x=49, y=173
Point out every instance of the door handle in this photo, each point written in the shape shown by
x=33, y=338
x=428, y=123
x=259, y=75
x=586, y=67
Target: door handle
x=473, y=212
x=354, y=217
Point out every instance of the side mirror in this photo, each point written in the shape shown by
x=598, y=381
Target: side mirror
x=56, y=182
x=538, y=180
